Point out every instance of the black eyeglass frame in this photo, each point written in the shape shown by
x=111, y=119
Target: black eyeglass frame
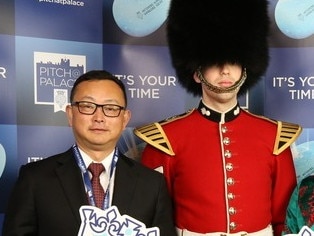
x=103, y=106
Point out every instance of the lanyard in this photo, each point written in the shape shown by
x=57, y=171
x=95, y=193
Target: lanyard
x=86, y=179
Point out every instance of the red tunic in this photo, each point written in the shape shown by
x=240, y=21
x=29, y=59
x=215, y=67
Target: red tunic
x=223, y=175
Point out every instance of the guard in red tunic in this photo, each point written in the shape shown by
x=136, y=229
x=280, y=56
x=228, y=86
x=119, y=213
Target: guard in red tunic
x=229, y=172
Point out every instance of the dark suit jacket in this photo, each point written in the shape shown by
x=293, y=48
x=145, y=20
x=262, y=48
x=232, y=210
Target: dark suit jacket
x=48, y=194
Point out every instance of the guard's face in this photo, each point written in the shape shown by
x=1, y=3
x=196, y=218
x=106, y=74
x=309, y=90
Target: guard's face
x=220, y=78
x=97, y=131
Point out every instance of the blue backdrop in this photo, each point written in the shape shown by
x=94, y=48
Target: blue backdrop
x=46, y=44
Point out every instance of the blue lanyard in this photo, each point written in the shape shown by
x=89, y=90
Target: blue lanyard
x=86, y=179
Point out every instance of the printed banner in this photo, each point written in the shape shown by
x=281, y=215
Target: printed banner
x=46, y=44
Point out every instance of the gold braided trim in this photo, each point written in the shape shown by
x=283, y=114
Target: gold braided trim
x=287, y=133
x=154, y=135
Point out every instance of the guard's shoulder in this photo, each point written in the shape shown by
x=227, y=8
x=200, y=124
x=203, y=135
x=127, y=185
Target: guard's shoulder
x=154, y=134
x=287, y=133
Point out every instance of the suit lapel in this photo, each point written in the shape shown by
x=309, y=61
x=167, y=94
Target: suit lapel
x=71, y=181
x=124, y=185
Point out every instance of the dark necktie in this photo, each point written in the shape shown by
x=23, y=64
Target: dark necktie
x=96, y=169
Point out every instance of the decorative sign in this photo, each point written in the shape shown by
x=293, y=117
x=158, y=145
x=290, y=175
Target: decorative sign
x=109, y=222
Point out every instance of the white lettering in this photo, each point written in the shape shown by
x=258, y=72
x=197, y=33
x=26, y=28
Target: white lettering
x=301, y=94
x=158, y=80
x=47, y=81
x=2, y=72
x=144, y=93
x=307, y=81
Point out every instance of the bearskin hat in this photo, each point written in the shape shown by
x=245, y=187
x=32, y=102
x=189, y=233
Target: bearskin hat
x=206, y=32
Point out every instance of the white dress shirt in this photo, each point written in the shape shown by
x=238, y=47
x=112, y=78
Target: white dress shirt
x=105, y=180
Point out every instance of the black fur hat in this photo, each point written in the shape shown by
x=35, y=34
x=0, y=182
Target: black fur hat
x=206, y=32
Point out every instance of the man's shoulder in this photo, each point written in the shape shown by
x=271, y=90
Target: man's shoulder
x=139, y=168
x=50, y=161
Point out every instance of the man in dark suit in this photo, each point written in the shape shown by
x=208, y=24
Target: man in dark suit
x=48, y=193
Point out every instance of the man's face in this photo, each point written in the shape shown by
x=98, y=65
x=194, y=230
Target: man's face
x=98, y=132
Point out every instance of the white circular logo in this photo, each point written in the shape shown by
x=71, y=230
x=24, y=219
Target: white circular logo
x=295, y=18
x=140, y=18
x=2, y=159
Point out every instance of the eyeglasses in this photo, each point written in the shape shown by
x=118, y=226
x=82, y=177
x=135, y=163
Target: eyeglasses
x=89, y=108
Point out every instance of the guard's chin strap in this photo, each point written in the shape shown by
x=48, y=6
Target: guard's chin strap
x=216, y=89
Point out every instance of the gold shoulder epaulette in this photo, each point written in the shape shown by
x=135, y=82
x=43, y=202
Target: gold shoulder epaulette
x=154, y=134
x=287, y=133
